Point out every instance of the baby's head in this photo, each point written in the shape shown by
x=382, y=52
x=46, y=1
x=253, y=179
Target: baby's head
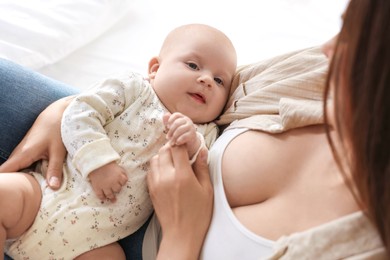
x=193, y=71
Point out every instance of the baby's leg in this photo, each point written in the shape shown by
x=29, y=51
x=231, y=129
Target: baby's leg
x=111, y=251
x=20, y=198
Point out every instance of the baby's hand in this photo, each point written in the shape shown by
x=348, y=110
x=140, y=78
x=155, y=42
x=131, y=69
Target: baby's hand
x=181, y=131
x=108, y=180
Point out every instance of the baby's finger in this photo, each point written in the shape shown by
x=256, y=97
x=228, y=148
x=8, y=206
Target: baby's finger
x=178, y=133
x=179, y=123
x=116, y=188
x=173, y=118
x=100, y=194
x=184, y=138
x=123, y=180
x=109, y=194
x=166, y=117
x=182, y=133
x=170, y=122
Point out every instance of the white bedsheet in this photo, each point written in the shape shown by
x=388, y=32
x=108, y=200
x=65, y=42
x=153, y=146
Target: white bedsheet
x=258, y=28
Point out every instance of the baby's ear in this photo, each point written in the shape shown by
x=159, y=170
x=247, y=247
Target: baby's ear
x=154, y=64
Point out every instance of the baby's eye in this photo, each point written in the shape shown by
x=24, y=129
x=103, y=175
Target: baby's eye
x=219, y=81
x=192, y=65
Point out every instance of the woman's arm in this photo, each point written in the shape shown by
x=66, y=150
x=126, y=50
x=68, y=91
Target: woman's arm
x=42, y=141
x=183, y=200
x=24, y=95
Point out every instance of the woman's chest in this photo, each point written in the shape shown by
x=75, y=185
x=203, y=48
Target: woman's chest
x=257, y=166
x=277, y=178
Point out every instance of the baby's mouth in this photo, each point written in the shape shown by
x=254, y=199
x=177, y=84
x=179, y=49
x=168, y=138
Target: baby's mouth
x=198, y=97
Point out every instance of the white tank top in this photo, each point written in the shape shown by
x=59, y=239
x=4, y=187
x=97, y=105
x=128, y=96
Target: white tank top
x=227, y=238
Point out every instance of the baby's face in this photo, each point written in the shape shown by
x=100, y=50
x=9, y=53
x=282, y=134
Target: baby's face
x=194, y=76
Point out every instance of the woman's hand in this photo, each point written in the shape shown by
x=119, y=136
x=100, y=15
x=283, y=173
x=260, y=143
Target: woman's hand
x=42, y=141
x=183, y=201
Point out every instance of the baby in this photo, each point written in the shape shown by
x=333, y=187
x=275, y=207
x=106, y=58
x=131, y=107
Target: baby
x=111, y=132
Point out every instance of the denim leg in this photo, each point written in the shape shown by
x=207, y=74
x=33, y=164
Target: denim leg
x=23, y=95
x=132, y=244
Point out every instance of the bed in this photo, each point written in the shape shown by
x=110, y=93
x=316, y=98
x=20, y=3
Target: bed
x=81, y=42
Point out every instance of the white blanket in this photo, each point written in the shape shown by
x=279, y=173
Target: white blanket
x=124, y=34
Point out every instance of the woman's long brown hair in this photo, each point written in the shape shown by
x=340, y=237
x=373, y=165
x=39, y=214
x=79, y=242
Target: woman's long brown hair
x=360, y=71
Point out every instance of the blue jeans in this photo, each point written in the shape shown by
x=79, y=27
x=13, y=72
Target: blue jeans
x=23, y=95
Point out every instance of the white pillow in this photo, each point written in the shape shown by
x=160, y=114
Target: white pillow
x=35, y=33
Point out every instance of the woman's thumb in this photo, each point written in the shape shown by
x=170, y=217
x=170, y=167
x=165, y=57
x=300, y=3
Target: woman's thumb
x=54, y=173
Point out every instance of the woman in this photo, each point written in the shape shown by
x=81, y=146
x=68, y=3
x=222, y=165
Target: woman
x=359, y=81
x=291, y=187
x=360, y=74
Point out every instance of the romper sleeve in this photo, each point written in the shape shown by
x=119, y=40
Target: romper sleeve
x=82, y=126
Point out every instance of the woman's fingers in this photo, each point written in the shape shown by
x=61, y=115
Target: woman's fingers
x=180, y=160
x=201, y=169
x=20, y=158
x=54, y=169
